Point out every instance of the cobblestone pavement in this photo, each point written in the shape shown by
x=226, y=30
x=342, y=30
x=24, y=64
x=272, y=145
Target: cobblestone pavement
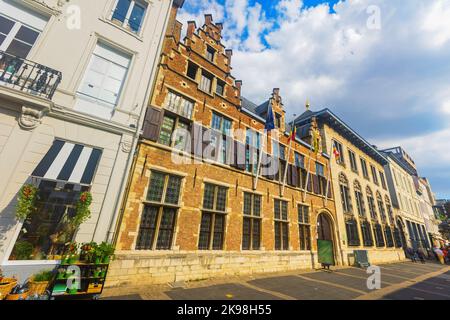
x=399, y=281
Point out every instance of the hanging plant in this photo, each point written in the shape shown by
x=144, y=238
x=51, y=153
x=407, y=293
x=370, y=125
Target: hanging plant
x=83, y=211
x=26, y=201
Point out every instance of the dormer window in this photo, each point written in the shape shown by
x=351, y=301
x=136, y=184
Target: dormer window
x=129, y=14
x=192, y=70
x=206, y=82
x=210, y=52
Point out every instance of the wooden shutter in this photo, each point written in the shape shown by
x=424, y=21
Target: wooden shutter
x=289, y=175
x=152, y=123
x=310, y=182
x=316, y=183
x=294, y=176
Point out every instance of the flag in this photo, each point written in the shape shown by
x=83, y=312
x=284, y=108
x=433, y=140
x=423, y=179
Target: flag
x=270, y=121
x=336, y=153
x=293, y=133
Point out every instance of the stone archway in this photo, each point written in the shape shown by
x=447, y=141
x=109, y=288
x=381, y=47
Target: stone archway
x=325, y=240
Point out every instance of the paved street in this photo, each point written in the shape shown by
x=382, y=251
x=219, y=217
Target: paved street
x=401, y=281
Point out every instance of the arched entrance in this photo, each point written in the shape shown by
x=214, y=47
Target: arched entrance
x=325, y=240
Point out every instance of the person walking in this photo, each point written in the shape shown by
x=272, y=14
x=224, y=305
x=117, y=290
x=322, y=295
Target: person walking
x=440, y=255
x=411, y=254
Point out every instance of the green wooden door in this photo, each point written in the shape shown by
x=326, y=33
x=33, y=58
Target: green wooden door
x=326, y=255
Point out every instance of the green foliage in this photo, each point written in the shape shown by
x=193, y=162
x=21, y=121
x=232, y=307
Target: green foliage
x=26, y=201
x=107, y=250
x=82, y=209
x=22, y=250
x=43, y=276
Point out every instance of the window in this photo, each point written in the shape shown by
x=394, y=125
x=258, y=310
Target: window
x=364, y=168
x=129, y=14
x=281, y=225
x=212, y=229
x=192, y=71
x=320, y=180
x=378, y=231
x=251, y=235
x=160, y=210
x=253, y=144
x=174, y=132
x=299, y=160
x=210, y=52
x=366, y=231
x=352, y=158
x=383, y=181
x=381, y=207
x=220, y=88
x=374, y=175
x=19, y=30
x=389, y=237
x=339, y=149
x=389, y=209
x=105, y=76
x=179, y=105
x=48, y=229
x=304, y=227
x=360, y=200
x=371, y=203
x=351, y=227
x=345, y=194
x=206, y=82
x=397, y=238
x=221, y=124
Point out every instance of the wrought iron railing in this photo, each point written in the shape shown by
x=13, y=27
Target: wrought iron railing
x=28, y=76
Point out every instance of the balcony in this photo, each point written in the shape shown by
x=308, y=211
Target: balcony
x=28, y=76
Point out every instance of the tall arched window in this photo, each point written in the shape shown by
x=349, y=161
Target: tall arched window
x=371, y=204
x=345, y=194
x=381, y=207
x=389, y=210
x=359, y=200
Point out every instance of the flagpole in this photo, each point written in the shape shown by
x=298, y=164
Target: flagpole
x=288, y=156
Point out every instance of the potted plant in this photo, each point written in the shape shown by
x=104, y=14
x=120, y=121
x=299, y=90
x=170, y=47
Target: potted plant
x=71, y=253
x=83, y=211
x=61, y=273
x=6, y=285
x=107, y=250
x=39, y=282
x=22, y=250
x=26, y=201
x=87, y=252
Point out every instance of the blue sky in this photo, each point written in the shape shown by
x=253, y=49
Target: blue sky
x=381, y=65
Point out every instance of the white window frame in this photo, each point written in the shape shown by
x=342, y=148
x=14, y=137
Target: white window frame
x=126, y=20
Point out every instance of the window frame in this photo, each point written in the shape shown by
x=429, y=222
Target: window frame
x=305, y=241
x=252, y=217
x=214, y=213
x=160, y=206
x=353, y=163
x=340, y=148
x=125, y=24
x=282, y=225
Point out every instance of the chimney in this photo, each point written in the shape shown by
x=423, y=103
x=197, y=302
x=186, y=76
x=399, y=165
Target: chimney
x=208, y=19
x=238, y=84
x=229, y=53
x=192, y=26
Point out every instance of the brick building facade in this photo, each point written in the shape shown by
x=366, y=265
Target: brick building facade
x=207, y=216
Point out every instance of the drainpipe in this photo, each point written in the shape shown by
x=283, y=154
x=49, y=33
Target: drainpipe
x=127, y=176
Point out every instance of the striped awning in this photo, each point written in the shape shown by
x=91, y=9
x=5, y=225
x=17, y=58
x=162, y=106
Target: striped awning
x=70, y=162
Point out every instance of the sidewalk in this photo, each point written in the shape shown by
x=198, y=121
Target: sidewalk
x=409, y=281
